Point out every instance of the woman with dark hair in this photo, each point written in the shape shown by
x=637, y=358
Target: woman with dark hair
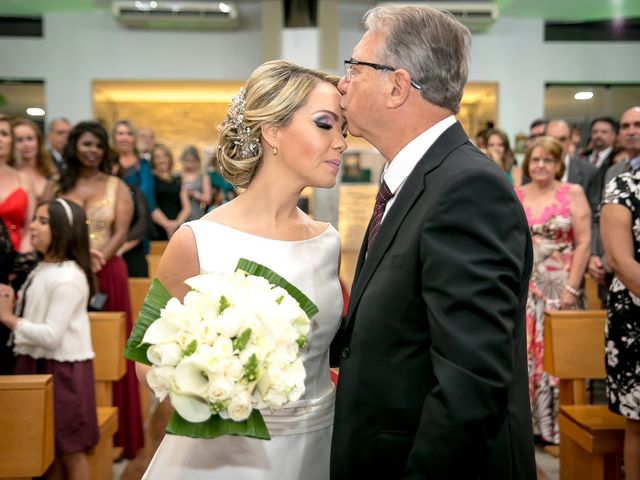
x=106, y=200
x=51, y=332
x=559, y=218
x=33, y=158
x=620, y=229
x=500, y=152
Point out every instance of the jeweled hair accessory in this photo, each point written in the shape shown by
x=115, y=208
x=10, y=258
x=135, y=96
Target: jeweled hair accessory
x=249, y=144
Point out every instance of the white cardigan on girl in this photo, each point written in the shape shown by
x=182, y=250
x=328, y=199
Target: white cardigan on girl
x=55, y=322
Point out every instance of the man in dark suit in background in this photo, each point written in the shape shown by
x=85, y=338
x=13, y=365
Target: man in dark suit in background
x=629, y=136
x=577, y=170
x=57, y=135
x=433, y=371
x=603, y=135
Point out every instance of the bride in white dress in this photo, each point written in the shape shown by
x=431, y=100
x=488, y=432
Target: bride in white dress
x=284, y=133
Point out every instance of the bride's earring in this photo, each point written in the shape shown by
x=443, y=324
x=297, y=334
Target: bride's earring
x=274, y=150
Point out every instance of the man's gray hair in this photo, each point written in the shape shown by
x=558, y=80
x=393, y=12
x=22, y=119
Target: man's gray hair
x=431, y=45
x=58, y=119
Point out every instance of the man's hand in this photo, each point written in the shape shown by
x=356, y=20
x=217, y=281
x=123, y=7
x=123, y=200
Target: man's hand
x=596, y=269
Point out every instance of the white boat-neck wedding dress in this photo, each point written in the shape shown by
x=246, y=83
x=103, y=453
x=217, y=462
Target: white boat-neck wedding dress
x=300, y=433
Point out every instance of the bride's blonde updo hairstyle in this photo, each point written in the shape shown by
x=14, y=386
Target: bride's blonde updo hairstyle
x=274, y=92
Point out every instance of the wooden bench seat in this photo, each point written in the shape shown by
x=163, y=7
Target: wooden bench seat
x=138, y=288
x=26, y=425
x=157, y=247
x=101, y=457
x=591, y=437
x=108, y=338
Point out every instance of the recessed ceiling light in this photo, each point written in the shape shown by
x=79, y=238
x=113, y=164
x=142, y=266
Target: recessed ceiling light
x=35, y=112
x=583, y=95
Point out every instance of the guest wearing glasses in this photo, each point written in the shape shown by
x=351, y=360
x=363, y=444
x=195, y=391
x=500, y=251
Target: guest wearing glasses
x=559, y=218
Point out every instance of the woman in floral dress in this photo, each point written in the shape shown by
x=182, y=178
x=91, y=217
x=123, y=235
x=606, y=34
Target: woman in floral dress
x=620, y=229
x=559, y=219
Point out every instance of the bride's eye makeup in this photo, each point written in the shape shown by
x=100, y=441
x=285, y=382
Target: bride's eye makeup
x=326, y=122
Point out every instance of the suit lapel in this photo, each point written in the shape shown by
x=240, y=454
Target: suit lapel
x=413, y=187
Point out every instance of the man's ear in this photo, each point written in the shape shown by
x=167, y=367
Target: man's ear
x=269, y=133
x=400, y=88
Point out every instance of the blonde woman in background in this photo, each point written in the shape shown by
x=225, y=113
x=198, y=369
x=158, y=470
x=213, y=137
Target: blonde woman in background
x=32, y=157
x=559, y=218
x=172, y=202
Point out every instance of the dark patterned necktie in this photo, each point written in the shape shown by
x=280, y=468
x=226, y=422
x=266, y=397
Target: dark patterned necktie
x=384, y=195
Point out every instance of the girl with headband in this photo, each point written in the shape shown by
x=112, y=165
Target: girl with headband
x=50, y=328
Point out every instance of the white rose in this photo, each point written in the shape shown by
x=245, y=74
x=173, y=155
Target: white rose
x=283, y=354
x=220, y=388
x=234, y=369
x=289, y=309
x=191, y=376
x=165, y=354
x=204, y=306
x=239, y=407
x=207, y=331
x=189, y=407
x=222, y=348
x=159, y=380
x=211, y=360
x=276, y=399
x=285, y=333
x=265, y=343
x=228, y=323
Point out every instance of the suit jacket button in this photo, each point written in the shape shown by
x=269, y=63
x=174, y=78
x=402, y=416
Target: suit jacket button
x=345, y=353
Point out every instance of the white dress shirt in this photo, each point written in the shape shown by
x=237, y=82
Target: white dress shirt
x=397, y=171
x=602, y=156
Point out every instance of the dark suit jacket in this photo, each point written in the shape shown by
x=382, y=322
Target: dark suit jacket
x=586, y=175
x=433, y=372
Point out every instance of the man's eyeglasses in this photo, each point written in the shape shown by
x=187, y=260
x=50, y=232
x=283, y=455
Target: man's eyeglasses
x=348, y=70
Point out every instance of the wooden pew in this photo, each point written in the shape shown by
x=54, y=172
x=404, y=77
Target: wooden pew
x=152, y=262
x=26, y=425
x=108, y=338
x=591, y=293
x=138, y=288
x=591, y=437
x=158, y=247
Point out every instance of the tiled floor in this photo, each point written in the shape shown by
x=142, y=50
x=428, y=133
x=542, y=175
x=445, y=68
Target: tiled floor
x=548, y=466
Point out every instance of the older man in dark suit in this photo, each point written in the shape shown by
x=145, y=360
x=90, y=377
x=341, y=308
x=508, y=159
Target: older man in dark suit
x=433, y=373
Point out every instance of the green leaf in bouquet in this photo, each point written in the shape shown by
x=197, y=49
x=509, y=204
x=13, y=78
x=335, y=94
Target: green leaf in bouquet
x=155, y=300
x=253, y=427
x=253, y=268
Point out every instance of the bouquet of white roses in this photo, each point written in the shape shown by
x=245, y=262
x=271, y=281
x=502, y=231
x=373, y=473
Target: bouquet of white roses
x=231, y=347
